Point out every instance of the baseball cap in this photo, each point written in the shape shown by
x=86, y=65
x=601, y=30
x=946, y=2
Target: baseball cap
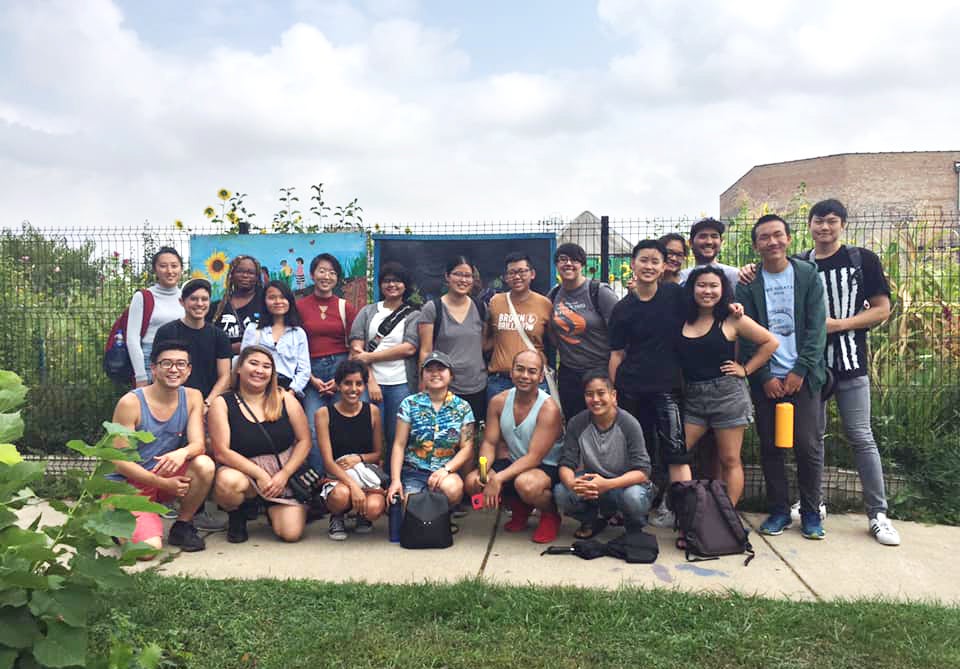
x=440, y=357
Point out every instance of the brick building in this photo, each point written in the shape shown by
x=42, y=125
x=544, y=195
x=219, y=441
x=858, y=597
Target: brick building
x=903, y=182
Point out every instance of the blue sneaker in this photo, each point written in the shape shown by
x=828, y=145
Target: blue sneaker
x=810, y=525
x=775, y=524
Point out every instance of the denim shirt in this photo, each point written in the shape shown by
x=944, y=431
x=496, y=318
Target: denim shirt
x=290, y=355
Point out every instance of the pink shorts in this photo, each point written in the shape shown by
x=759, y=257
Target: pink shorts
x=150, y=525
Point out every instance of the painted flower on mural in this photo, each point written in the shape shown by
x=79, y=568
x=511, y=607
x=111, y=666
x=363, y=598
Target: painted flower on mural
x=197, y=274
x=209, y=212
x=217, y=266
x=178, y=224
x=223, y=194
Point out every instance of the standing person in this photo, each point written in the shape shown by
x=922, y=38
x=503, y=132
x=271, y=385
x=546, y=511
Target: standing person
x=168, y=268
x=604, y=466
x=715, y=392
x=299, y=276
x=242, y=304
x=533, y=312
x=706, y=240
x=384, y=337
x=351, y=438
x=581, y=311
x=787, y=299
x=280, y=331
x=522, y=438
x=327, y=319
x=434, y=439
x=209, y=347
x=676, y=247
x=173, y=464
x=454, y=324
x=260, y=438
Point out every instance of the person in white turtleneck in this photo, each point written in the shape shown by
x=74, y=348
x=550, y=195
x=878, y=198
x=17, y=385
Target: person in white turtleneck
x=168, y=266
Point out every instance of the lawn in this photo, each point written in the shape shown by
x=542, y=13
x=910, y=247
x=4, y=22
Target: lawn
x=288, y=624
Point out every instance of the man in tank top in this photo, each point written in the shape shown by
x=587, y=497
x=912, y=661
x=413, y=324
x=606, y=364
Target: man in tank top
x=174, y=464
x=522, y=439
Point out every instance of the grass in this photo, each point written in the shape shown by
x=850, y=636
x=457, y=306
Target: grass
x=471, y=624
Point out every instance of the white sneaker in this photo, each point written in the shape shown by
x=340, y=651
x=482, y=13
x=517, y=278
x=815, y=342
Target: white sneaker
x=795, y=511
x=662, y=516
x=882, y=530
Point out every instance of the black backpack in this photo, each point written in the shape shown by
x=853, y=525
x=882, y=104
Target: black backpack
x=710, y=524
x=593, y=288
x=426, y=521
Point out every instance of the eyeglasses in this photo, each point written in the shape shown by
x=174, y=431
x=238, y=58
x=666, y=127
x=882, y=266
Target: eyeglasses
x=463, y=276
x=563, y=260
x=167, y=364
x=517, y=272
x=397, y=282
x=676, y=254
x=320, y=271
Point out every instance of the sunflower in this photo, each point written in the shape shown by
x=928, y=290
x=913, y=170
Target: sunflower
x=178, y=224
x=223, y=194
x=197, y=274
x=217, y=266
x=209, y=212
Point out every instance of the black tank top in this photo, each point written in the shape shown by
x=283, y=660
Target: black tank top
x=351, y=434
x=247, y=439
x=701, y=357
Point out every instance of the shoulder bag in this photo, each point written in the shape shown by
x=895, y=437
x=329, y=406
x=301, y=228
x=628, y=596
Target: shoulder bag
x=548, y=371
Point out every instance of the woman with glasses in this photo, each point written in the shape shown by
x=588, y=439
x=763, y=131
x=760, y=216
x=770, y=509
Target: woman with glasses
x=242, y=303
x=384, y=338
x=147, y=312
x=676, y=247
x=454, y=324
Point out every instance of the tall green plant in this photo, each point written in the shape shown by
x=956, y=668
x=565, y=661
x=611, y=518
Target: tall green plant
x=51, y=575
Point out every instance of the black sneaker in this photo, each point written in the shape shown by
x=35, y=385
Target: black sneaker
x=184, y=535
x=237, y=527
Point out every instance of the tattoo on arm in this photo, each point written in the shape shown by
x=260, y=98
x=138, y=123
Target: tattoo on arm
x=466, y=435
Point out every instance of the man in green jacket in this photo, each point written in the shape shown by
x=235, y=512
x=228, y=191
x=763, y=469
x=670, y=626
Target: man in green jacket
x=787, y=299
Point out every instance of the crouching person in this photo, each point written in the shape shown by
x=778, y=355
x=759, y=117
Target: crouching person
x=260, y=438
x=350, y=438
x=527, y=425
x=173, y=465
x=434, y=436
x=616, y=467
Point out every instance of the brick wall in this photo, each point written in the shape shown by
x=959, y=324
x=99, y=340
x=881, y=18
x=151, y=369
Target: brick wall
x=864, y=182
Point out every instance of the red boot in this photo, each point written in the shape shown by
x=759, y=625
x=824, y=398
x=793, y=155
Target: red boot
x=546, y=531
x=521, y=512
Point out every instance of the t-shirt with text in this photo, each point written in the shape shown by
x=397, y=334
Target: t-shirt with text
x=533, y=314
x=780, y=296
x=581, y=331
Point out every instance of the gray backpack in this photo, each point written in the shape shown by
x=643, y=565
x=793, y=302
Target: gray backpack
x=710, y=524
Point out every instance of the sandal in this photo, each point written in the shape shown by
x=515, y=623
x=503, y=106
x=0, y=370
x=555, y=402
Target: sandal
x=591, y=528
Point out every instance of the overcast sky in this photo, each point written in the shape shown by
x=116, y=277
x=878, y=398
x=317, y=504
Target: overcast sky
x=116, y=112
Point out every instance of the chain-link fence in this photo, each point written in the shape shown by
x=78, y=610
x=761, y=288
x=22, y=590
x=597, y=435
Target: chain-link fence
x=60, y=291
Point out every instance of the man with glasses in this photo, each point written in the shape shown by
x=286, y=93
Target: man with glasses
x=581, y=311
x=706, y=240
x=173, y=465
x=530, y=314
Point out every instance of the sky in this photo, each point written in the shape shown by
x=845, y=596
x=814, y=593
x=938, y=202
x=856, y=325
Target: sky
x=117, y=112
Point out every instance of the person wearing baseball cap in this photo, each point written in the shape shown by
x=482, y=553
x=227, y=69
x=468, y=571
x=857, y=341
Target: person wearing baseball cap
x=434, y=435
x=706, y=240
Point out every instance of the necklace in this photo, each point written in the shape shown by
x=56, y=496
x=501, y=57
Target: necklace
x=323, y=312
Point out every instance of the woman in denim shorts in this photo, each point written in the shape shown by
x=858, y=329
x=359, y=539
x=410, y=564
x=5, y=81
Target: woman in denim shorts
x=715, y=390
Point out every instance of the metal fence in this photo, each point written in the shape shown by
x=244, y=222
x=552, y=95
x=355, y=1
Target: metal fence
x=60, y=290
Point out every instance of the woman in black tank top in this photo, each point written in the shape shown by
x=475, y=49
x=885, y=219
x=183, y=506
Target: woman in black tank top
x=715, y=391
x=350, y=438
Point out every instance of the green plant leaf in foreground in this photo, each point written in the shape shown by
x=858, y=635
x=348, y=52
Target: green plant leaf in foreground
x=63, y=646
x=9, y=455
x=11, y=426
x=12, y=391
x=133, y=503
x=18, y=629
x=115, y=523
x=104, y=452
x=70, y=604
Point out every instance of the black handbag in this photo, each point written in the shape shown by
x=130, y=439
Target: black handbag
x=306, y=481
x=426, y=522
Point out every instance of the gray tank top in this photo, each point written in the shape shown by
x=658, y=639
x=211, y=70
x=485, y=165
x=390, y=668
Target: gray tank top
x=518, y=437
x=170, y=434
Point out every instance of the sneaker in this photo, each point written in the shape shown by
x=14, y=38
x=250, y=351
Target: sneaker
x=811, y=526
x=775, y=524
x=546, y=531
x=208, y=522
x=795, y=511
x=883, y=531
x=173, y=510
x=237, y=526
x=520, y=512
x=364, y=526
x=662, y=516
x=338, y=528
x=184, y=535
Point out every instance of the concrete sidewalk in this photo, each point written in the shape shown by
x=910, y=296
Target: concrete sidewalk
x=848, y=564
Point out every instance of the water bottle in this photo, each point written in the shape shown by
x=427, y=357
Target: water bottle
x=396, y=518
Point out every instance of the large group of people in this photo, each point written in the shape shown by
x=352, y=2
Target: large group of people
x=399, y=397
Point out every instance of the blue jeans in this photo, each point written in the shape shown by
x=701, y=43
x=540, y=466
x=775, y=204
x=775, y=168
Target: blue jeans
x=633, y=502
x=497, y=382
x=389, y=406
x=322, y=368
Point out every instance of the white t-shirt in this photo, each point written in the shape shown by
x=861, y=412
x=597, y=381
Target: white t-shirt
x=391, y=372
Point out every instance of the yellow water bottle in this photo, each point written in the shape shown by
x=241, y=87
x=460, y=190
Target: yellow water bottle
x=483, y=469
x=783, y=425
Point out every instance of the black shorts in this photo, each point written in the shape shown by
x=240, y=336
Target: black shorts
x=659, y=416
x=478, y=404
x=553, y=471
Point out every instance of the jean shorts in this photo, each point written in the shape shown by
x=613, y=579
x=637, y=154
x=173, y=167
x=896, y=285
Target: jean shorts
x=720, y=403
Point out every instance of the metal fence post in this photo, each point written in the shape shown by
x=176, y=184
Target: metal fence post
x=604, y=248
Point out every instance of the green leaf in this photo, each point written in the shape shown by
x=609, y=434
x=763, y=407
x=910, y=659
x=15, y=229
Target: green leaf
x=71, y=604
x=104, y=452
x=7, y=517
x=118, y=430
x=13, y=597
x=119, y=523
x=14, y=478
x=12, y=391
x=99, y=485
x=7, y=658
x=132, y=552
x=11, y=426
x=18, y=629
x=150, y=656
x=9, y=455
x=64, y=646
x=133, y=503
x=121, y=655
x=15, y=536
x=36, y=552
x=103, y=570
